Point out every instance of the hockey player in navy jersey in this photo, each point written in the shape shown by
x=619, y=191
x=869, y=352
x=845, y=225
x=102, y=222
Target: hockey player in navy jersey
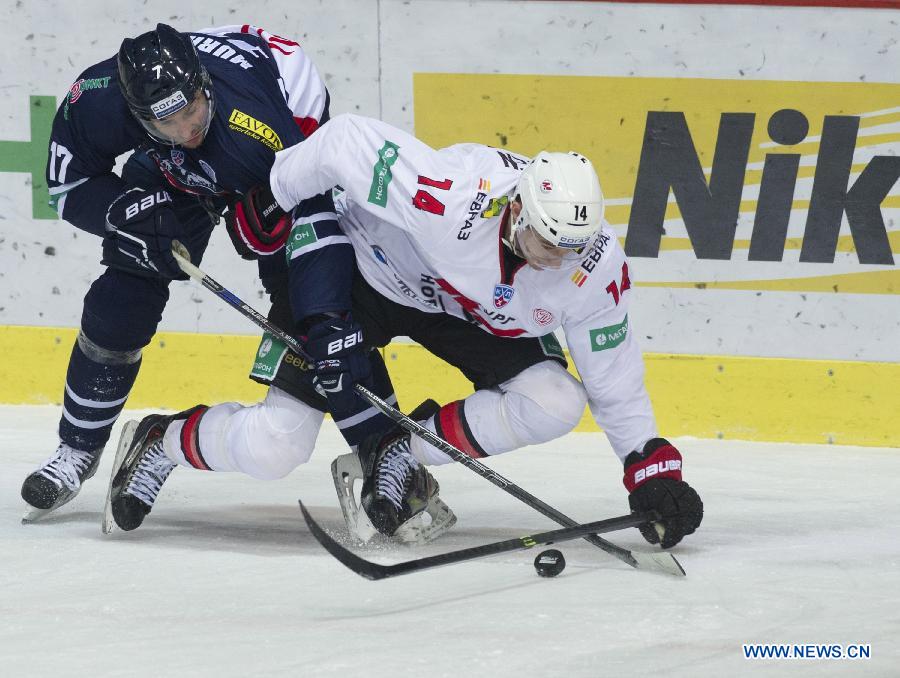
x=204, y=112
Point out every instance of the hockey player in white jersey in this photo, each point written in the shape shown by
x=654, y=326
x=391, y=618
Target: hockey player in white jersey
x=519, y=248
x=516, y=248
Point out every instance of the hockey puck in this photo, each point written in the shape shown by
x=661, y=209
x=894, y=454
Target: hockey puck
x=549, y=563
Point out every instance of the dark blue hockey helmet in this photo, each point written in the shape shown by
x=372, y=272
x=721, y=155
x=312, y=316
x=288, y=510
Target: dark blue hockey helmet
x=160, y=75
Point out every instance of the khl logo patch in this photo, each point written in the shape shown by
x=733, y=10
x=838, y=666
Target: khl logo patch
x=502, y=295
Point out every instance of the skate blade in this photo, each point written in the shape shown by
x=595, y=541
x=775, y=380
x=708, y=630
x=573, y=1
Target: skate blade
x=417, y=531
x=36, y=515
x=346, y=470
x=125, y=440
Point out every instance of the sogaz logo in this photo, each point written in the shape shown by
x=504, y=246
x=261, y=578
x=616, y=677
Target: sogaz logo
x=169, y=106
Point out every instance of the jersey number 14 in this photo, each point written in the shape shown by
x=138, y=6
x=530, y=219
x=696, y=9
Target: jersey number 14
x=423, y=200
x=618, y=290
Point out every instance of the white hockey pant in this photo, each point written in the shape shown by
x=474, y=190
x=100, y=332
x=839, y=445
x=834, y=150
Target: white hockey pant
x=539, y=404
x=267, y=440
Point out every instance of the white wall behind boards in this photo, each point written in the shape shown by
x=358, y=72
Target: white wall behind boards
x=368, y=52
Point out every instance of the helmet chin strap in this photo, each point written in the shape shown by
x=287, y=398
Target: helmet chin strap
x=507, y=234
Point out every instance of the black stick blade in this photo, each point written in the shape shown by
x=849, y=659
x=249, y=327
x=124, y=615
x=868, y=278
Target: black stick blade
x=374, y=571
x=362, y=567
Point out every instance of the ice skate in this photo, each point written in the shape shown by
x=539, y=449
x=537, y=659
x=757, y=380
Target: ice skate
x=399, y=497
x=139, y=471
x=58, y=481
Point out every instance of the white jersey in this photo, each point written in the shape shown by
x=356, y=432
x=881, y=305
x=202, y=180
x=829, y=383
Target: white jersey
x=301, y=85
x=425, y=226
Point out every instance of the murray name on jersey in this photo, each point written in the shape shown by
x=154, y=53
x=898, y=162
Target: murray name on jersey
x=267, y=96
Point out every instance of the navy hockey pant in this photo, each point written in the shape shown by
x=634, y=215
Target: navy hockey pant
x=120, y=316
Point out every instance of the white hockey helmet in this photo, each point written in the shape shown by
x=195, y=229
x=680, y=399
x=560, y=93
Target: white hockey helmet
x=561, y=199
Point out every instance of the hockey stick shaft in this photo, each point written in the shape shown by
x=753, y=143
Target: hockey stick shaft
x=183, y=258
x=495, y=478
x=369, y=570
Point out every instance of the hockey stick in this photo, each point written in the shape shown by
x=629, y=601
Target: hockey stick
x=374, y=571
x=659, y=562
x=182, y=256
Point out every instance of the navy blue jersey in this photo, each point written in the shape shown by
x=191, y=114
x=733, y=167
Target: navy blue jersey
x=267, y=96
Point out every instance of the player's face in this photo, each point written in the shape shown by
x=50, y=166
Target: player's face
x=531, y=246
x=187, y=127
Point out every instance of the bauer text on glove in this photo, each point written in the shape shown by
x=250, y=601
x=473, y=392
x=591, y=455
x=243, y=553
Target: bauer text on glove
x=653, y=480
x=341, y=360
x=256, y=224
x=140, y=228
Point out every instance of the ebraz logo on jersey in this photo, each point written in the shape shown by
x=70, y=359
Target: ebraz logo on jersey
x=474, y=210
x=589, y=263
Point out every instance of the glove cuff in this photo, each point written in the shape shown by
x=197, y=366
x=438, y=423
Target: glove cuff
x=262, y=238
x=660, y=459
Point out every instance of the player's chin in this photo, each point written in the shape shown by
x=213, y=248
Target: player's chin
x=549, y=265
x=195, y=141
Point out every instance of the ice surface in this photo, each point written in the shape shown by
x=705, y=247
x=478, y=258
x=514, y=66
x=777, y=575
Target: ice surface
x=800, y=544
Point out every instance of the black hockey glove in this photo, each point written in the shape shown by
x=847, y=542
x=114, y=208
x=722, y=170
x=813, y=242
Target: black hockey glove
x=256, y=224
x=341, y=361
x=140, y=228
x=653, y=479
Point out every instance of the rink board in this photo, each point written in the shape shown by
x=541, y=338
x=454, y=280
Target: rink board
x=760, y=399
